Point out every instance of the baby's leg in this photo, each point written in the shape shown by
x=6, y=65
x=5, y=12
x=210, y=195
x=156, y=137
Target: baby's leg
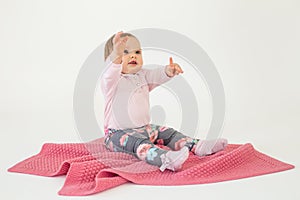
x=176, y=140
x=138, y=144
x=165, y=159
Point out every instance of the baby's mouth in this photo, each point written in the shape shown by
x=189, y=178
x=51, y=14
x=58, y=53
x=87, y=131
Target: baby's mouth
x=133, y=62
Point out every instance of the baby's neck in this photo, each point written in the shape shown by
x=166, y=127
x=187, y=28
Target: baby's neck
x=128, y=73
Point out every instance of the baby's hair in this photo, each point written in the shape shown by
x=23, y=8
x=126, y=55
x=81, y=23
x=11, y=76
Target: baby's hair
x=109, y=44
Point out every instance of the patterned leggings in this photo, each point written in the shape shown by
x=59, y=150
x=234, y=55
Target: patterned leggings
x=141, y=142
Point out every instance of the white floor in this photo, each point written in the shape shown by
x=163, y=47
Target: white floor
x=283, y=185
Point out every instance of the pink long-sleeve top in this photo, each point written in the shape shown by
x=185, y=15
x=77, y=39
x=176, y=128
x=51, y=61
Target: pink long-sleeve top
x=127, y=95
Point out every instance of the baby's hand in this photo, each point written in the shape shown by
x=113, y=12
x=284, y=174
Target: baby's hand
x=173, y=69
x=119, y=44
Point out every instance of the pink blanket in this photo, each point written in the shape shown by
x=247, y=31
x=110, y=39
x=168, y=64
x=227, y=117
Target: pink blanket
x=90, y=168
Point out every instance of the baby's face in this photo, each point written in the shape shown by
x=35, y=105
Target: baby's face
x=132, y=59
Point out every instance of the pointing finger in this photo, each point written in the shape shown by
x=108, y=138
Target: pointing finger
x=171, y=60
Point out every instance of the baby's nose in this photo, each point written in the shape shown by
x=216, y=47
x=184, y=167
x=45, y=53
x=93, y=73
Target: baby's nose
x=133, y=55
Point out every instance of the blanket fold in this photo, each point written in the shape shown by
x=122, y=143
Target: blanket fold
x=90, y=168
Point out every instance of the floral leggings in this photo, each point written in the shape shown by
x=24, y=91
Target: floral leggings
x=142, y=142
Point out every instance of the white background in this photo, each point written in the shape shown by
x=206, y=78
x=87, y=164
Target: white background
x=254, y=45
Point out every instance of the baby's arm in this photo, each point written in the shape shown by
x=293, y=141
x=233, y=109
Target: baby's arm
x=110, y=77
x=161, y=75
x=156, y=77
x=111, y=74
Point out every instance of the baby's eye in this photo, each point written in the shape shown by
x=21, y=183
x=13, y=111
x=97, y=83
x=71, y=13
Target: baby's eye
x=126, y=51
x=138, y=52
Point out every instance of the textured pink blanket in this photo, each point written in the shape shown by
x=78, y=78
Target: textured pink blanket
x=90, y=168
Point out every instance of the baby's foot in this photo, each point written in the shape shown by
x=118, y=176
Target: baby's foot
x=173, y=160
x=207, y=147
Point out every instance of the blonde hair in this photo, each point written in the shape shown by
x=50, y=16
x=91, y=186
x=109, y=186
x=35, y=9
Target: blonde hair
x=109, y=46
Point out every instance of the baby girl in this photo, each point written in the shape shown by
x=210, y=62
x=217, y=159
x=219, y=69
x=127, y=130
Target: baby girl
x=126, y=86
